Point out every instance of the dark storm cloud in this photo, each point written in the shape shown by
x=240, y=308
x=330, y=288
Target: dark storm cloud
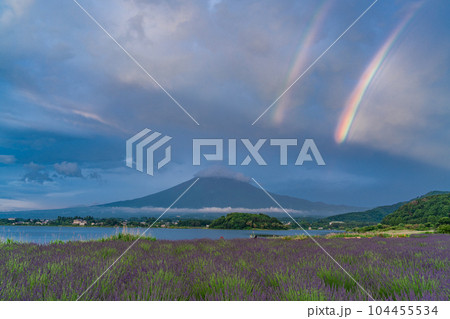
x=68, y=169
x=70, y=95
x=36, y=173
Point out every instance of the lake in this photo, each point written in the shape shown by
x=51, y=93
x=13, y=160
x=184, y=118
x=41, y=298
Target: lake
x=46, y=234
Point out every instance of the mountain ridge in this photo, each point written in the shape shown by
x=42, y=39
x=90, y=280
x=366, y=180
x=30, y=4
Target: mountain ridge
x=375, y=215
x=226, y=192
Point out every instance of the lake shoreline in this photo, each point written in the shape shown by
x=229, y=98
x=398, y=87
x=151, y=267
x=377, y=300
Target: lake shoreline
x=45, y=234
x=171, y=227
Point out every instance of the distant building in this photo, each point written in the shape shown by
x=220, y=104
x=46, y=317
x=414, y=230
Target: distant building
x=79, y=222
x=11, y=219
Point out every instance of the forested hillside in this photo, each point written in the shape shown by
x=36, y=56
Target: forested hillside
x=421, y=211
x=246, y=221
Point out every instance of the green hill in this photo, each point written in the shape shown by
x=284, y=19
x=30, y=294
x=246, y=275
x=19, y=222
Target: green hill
x=423, y=210
x=246, y=221
x=369, y=217
x=372, y=216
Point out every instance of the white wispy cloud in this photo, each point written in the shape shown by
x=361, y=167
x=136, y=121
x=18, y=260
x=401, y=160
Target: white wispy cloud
x=17, y=205
x=221, y=210
x=12, y=9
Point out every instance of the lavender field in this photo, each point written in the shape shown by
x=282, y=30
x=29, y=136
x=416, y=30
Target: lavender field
x=414, y=268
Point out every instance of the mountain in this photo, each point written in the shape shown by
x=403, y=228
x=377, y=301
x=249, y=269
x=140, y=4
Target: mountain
x=368, y=217
x=375, y=215
x=221, y=192
x=429, y=209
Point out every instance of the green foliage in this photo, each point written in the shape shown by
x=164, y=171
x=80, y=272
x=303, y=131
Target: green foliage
x=57, y=242
x=443, y=229
x=444, y=221
x=90, y=221
x=194, y=223
x=127, y=237
x=369, y=217
x=335, y=279
x=9, y=241
x=106, y=252
x=383, y=228
x=431, y=209
x=246, y=221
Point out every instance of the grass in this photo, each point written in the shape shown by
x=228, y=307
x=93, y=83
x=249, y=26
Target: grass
x=126, y=235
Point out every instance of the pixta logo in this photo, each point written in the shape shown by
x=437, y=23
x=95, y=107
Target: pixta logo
x=252, y=151
x=144, y=144
x=149, y=142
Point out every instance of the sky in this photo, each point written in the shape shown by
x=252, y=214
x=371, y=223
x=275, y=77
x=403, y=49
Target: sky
x=375, y=102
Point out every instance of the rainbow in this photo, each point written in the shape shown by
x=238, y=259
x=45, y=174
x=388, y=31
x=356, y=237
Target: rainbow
x=351, y=108
x=299, y=62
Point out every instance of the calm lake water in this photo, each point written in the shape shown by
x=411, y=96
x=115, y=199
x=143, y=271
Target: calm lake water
x=46, y=234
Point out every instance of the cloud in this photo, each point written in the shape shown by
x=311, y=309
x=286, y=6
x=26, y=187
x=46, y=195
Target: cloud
x=36, y=173
x=32, y=166
x=16, y=205
x=68, y=169
x=11, y=9
x=218, y=210
x=222, y=171
x=217, y=61
x=7, y=159
x=94, y=175
x=402, y=112
x=225, y=62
